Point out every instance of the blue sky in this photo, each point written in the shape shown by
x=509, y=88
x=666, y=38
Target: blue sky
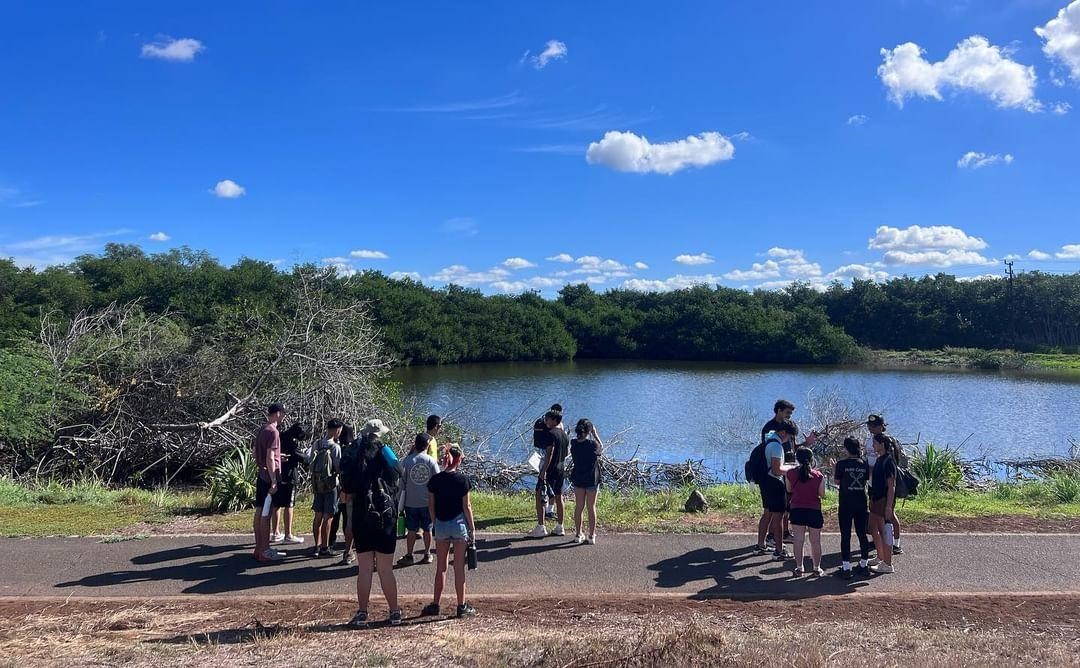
x=628, y=144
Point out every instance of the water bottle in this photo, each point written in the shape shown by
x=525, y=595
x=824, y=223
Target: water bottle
x=470, y=556
x=400, y=526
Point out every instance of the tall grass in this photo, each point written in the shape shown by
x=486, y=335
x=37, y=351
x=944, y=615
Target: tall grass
x=938, y=469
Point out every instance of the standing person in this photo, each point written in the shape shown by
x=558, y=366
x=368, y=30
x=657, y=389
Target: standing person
x=342, y=519
x=268, y=460
x=585, y=450
x=449, y=504
x=371, y=484
x=882, y=500
x=285, y=497
x=875, y=424
x=851, y=476
x=325, y=468
x=433, y=426
x=552, y=474
x=773, y=490
x=782, y=412
x=807, y=488
x=417, y=470
x=539, y=427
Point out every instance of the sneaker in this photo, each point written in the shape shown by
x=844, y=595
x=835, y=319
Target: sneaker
x=427, y=558
x=789, y=537
x=277, y=538
x=316, y=552
x=882, y=569
x=863, y=571
x=762, y=549
x=430, y=610
x=796, y=573
x=897, y=549
x=819, y=571
x=549, y=514
x=395, y=618
x=359, y=620
x=591, y=540
x=559, y=530
x=466, y=610
x=782, y=555
x=872, y=562
x=770, y=543
x=846, y=574
x=539, y=532
x=293, y=540
x=347, y=559
x=579, y=539
x=271, y=555
x=407, y=560
x=327, y=552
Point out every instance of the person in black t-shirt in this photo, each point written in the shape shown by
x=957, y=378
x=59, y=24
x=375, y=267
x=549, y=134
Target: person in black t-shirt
x=556, y=446
x=882, y=500
x=449, y=505
x=285, y=497
x=851, y=475
x=585, y=450
x=539, y=426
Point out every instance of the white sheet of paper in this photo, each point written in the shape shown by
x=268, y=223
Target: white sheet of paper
x=534, y=461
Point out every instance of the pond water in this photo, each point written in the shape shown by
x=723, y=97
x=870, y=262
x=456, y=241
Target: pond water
x=673, y=411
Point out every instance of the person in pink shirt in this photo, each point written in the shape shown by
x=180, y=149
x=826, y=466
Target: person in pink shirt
x=268, y=460
x=806, y=485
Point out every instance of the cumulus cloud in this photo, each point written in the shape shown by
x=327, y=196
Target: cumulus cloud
x=640, y=266
x=857, y=119
x=628, y=152
x=935, y=258
x=369, y=255
x=403, y=275
x=678, y=282
x=784, y=253
x=459, y=274
x=517, y=263
x=692, y=260
x=228, y=189
x=553, y=50
x=177, y=50
x=978, y=160
x=1036, y=254
x=159, y=236
x=561, y=257
x=1061, y=38
x=758, y=271
x=916, y=237
x=974, y=66
x=534, y=283
x=1068, y=252
x=593, y=264
x=856, y=271
x=1060, y=108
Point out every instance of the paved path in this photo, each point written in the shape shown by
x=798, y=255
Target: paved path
x=691, y=565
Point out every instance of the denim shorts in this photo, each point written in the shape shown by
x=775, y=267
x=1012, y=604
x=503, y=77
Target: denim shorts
x=417, y=519
x=455, y=529
x=326, y=503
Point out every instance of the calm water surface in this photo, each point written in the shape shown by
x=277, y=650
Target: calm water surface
x=673, y=411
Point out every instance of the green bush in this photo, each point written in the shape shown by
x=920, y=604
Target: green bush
x=1064, y=487
x=231, y=480
x=937, y=468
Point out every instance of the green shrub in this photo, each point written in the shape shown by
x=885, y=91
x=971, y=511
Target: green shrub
x=232, y=485
x=937, y=468
x=1064, y=487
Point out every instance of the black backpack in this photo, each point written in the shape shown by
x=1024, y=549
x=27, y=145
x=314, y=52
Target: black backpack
x=756, y=468
x=907, y=484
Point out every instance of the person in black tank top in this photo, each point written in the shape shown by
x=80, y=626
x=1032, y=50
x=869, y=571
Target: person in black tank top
x=585, y=450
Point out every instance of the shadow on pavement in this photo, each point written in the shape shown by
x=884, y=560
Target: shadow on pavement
x=737, y=573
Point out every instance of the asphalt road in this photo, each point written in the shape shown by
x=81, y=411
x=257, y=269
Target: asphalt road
x=692, y=565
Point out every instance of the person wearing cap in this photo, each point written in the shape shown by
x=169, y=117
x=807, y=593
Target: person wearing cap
x=324, y=501
x=875, y=424
x=267, y=449
x=773, y=488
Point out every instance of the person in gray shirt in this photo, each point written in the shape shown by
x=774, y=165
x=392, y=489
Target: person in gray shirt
x=416, y=470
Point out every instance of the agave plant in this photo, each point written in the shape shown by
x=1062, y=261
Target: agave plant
x=232, y=482
x=937, y=468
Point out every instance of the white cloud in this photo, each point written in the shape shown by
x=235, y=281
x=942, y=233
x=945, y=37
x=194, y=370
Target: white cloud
x=553, y=50
x=592, y=264
x=758, y=271
x=1068, y=252
x=742, y=136
x=1060, y=108
x=517, y=263
x=535, y=283
x=561, y=257
x=461, y=275
x=1036, y=254
x=402, y=275
x=784, y=253
x=856, y=271
x=1061, y=38
x=628, y=152
x=974, y=66
x=692, y=260
x=935, y=258
x=678, y=282
x=640, y=265
x=159, y=236
x=177, y=50
x=857, y=119
x=369, y=255
x=228, y=189
x=977, y=160
x=915, y=237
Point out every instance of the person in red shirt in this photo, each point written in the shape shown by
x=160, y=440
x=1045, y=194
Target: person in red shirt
x=268, y=460
x=806, y=485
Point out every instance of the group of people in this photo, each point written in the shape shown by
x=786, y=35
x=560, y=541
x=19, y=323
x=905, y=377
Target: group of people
x=361, y=486
x=792, y=489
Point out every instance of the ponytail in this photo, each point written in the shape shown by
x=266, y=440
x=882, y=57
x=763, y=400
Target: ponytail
x=805, y=457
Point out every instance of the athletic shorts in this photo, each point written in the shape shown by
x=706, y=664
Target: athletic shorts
x=380, y=541
x=455, y=529
x=417, y=519
x=325, y=503
x=262, y=489
x=807, y=517
x=773, y=495
x=555, y=482
x=284, y=497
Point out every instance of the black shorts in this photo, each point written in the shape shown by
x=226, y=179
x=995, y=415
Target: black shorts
x=807, y=517
x=262, y=488
x=378, y=541
x=773, y=495
x=553, y=483
x=284, y=497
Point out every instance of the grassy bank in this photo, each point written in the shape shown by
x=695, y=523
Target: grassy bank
x=974, y=358
x=87, y=509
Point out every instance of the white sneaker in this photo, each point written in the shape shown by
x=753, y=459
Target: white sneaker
x=292, y=540
x=580, y=538
x=273, y=555
x=882, y=569
x=559, y=530
x=872, y=562
x=591, y=540
x=539, y=532
x=277, y=538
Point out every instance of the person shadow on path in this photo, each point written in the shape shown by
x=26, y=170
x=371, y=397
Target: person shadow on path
x=740, y=573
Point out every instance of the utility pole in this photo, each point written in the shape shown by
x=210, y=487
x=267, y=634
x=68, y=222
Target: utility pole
x=1010, y=277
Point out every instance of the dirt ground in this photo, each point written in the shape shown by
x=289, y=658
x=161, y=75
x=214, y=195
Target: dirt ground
x=856, y=630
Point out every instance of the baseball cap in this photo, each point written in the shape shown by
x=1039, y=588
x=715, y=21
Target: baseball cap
x=875, y=421
x=275, y=408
